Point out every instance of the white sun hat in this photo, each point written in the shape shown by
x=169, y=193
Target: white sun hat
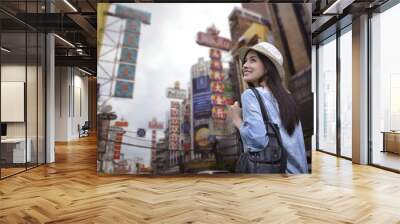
x=268, y=50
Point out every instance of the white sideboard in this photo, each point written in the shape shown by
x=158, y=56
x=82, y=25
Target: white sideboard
x=18, y=148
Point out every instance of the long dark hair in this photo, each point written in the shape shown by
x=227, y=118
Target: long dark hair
x=287, y=106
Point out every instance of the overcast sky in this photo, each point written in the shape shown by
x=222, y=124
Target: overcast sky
x=167, y=50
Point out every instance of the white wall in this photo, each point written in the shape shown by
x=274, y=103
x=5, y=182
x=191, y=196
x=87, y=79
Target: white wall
x=10, y=73
x=80, y=112
x=16, y=73
x=71, y=94
x=33, y=126
x=61, y=103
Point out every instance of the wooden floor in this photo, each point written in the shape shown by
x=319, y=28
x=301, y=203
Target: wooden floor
x=70, y=191
x=10, y=171
x=387, y=159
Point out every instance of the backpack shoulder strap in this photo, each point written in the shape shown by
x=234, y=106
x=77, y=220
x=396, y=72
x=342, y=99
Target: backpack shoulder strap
x=262, y=106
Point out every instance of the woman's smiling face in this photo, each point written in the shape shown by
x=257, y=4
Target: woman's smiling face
x=253, y=68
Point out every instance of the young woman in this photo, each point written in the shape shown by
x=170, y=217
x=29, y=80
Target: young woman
x=262, y=67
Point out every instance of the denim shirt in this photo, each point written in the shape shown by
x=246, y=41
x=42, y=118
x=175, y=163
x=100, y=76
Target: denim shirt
x=253, y=133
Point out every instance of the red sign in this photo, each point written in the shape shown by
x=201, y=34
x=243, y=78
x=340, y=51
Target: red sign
x=215, y=54
x=121, y=123
x=218, y=99
x=174, y=121
x=174, y=129
x=174, y=104
x=174, y=112
x=210, y=40
x=216, y=65
x=117, y=147
x=173, y=137
x=173, y=145
x=217, y=75
x=217, y=87
x=154, y=144
x=219, y=112
x=154, y=124
x=174, y=126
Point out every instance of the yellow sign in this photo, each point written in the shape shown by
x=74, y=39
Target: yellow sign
x=256, y=29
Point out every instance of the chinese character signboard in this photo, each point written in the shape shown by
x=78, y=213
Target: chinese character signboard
x=132, y=26
x=212, y=40
x=131, y=40
x=154, y=124
x=128, y=55
x=219, y=110
x=174, y=126
x=123, y=89
x=219, y=99
x=134, y=14
x=126, y=72
x=129, y=49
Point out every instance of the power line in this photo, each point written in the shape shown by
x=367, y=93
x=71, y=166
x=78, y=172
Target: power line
x=137, y=138
x=149, y=147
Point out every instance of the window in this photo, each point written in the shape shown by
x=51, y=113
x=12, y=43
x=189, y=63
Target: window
x=22, y=74
x=346, y=93
x=385, y=88
x=327, y=96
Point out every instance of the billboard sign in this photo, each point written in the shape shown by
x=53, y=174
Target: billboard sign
x=216, y=64
x=107, y=116
x=131, y=40
x=219, y=112
x=202, y=105
x=201, y=137
x=210, y=40
x=217, y=86
x=174, y=93
x=126, y=72
x=154, y=124
x=201, y=84
x=132, y=26
x=123, y=89
x=186, y=127
x=134, y=14
x=174, y=126
x=218, y=99
x=217, y=75
x=128, y=55
x=215, y=54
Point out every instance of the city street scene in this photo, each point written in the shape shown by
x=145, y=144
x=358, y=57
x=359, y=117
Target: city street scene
x=168, y=73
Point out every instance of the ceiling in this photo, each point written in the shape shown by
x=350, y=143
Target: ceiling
x=76, y=22
x=72, y=20
x=330, y=15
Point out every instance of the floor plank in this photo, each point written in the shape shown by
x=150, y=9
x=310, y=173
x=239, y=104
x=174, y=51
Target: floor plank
x=70, y=191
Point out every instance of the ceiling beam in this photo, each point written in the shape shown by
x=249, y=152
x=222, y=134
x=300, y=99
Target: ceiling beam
x=84, y=61
x=84, y=24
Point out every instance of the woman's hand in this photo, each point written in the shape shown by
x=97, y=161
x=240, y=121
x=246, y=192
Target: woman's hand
x=235, y=113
